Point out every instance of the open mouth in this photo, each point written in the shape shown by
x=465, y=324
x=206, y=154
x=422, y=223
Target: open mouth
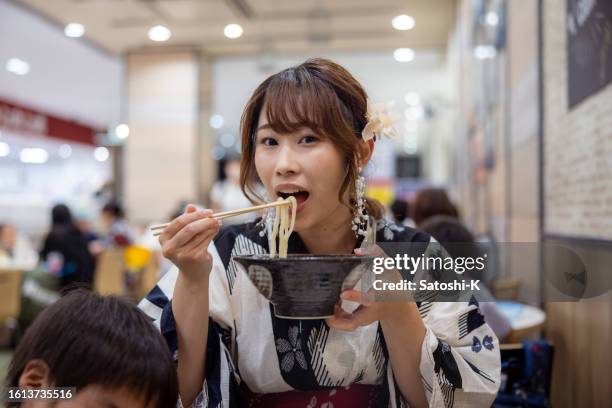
x=300, y=196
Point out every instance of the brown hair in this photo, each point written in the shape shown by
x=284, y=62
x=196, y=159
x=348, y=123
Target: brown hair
x=432, y=201
x=318, y=94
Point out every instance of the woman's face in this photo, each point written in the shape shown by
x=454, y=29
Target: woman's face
x=303, y=164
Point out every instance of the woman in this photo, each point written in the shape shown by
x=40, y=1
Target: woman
x=66, y=244
x=302, y=134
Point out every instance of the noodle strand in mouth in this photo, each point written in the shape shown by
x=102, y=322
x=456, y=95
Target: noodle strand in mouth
x=283, y=227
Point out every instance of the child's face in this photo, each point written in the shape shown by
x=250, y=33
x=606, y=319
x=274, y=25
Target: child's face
x=302, y=161
x=95, y=396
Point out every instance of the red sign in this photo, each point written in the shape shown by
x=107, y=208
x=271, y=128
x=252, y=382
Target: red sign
x=24, y=120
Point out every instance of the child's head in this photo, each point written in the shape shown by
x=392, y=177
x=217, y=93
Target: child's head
x=105, y=347
x=301, y=130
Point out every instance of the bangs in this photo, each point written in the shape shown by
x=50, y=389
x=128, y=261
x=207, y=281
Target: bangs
x=295, y=99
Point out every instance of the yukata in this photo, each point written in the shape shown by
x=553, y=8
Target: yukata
x=256, y=359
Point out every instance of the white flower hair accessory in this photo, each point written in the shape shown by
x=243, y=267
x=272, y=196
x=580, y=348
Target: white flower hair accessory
x=380, y=121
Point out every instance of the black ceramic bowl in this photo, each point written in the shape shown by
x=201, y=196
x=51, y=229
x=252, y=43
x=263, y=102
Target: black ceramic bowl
x=304, y=286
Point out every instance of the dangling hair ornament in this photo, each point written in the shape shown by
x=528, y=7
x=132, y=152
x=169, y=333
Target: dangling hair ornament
x=380, y=121
x=360, y=218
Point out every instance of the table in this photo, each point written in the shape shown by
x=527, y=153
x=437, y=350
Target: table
x=526, y=320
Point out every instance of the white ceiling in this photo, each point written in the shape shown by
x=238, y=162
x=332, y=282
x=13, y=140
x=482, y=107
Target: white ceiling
x=67, y=78
x=121, y=26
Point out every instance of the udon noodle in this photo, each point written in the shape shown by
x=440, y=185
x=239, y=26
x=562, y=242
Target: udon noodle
x=282, y=228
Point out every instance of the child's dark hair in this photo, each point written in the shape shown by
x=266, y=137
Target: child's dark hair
x=87, y=339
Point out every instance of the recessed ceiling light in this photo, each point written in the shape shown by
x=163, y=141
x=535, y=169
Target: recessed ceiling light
x=159, y=33
x=216, y=121
x=5, y=149
x=17, y=66
x=232, y=30
x=492, y=18
x=122, y=131
x=101, y=154
x=74, y=30
x=64, y=151
x=33, y=155
x=414, y=113
x=227, y=140
x=403, y=54
x=484, y=52
x=403, y=22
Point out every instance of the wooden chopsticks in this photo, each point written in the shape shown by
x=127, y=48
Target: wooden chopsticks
x=157, y=229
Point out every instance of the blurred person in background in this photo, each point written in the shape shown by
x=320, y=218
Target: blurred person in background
x=450, y=232
x=400, y=210
x=84, y=224
x=65, y=250
x=227, y=195
x=116, y=229
x=15, y=250
x=432, y=201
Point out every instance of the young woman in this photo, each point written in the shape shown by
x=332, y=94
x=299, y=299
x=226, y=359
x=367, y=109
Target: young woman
x=302, y=133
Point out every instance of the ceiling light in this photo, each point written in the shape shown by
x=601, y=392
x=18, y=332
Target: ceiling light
x=492, y=18
x=414, y=113
x=412, y=98
x=232, y=30
x=5, y=149
x=101, y=154
x=227, y=140
x=64, y=151
x=159, y=33
x=403, y=54
x=216, y=121
x=74, y=30
x=17, y=66
x=484, y=52
x=403, y=22
x=122, y=131
x=33, y=155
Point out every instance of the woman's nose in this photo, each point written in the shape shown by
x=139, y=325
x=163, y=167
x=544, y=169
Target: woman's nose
x=287, y=162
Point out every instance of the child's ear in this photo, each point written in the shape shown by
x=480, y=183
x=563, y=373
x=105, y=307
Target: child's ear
x=35, y=375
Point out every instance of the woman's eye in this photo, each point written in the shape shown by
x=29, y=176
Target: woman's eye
x=268, y=141
x=309, y=139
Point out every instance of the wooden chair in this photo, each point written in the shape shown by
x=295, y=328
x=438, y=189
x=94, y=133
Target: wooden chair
x=109, y=278
x=10, y=293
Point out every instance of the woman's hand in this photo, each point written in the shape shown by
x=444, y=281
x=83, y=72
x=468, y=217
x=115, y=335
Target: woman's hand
x=185, y=242
x=369, y=310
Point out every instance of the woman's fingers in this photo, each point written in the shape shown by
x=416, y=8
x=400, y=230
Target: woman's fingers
x=199, y=243
x=180, y=222
x=371, y=250
x=341, y=320
x=193, y=229
x=362, y=298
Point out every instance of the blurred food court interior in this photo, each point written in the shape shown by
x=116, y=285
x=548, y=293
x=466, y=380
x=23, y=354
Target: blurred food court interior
x=124, y=111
